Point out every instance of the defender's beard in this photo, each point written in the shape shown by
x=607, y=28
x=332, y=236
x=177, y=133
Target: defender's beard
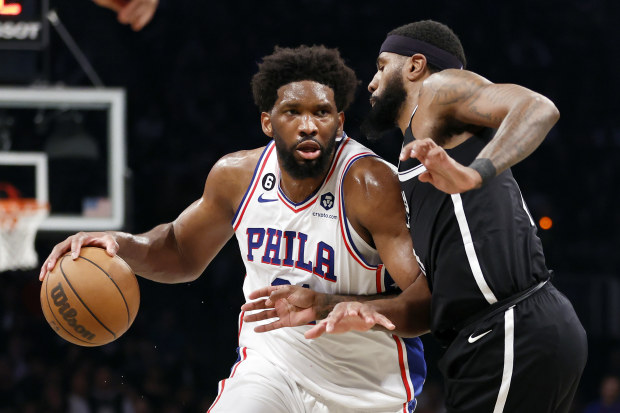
x=384, y=113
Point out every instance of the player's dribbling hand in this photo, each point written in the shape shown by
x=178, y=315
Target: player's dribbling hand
x=443, y=172
x=74, y=243
x=292, y=305
x=349, y=316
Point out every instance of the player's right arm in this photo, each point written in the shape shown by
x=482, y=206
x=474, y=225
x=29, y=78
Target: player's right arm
x=177, y=251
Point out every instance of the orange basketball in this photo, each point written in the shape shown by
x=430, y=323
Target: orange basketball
x=92, y=300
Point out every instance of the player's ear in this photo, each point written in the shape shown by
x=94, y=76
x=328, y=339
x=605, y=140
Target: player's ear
x=340, y=124
x=414, y=67
x=265, y=121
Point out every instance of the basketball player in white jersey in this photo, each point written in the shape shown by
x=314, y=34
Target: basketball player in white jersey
x=315, y=209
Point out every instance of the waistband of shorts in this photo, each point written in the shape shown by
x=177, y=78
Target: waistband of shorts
x=503, y=305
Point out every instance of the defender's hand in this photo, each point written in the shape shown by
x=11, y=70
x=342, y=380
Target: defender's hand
x=443, y=172
x=349, y=316
x=292, y=305
x=74, y=243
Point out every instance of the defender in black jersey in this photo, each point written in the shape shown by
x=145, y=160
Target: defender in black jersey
x=514, y=343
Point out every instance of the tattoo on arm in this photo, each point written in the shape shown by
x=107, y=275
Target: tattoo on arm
x=520, y=133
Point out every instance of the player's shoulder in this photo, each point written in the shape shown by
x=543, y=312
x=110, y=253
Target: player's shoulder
x=240, y=159
x=449, y=85
x=233, y=172
x=371, y=171
x=238, y=164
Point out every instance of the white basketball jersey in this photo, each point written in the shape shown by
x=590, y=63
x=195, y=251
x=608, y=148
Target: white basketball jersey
x=311, y=244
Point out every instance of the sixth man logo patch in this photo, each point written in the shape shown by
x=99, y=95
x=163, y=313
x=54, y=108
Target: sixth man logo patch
x=327, y=201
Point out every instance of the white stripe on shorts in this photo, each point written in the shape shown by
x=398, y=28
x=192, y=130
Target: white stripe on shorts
x=509, y=339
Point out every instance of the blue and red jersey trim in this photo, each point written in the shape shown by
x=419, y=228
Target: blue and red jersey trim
x=344, y=227
x=306, y=203
x=260, y=166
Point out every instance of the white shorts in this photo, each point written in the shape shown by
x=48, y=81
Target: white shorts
x=258, y=386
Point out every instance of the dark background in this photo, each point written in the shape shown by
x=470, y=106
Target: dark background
x=189, y=102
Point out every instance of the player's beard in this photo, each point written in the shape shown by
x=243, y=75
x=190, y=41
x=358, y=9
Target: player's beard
x=384, y=113
x=301, y=169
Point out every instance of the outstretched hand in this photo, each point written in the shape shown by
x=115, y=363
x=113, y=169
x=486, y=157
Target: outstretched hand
x=349, y=316
x=443, y=172
x=292, y=305
x=137, y=13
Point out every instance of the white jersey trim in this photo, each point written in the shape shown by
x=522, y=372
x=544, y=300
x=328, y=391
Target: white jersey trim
x=474, y=264
x=404, y=176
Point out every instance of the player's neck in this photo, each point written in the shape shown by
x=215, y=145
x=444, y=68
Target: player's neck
x=298, y=190
x=410, y=104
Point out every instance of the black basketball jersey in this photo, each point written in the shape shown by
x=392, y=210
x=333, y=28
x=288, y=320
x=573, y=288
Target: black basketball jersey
x=476, y=248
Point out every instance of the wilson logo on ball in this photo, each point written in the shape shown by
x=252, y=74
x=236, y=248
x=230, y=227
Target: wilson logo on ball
x=68, y=313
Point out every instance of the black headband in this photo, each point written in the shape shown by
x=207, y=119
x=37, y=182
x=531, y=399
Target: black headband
x=407, y=46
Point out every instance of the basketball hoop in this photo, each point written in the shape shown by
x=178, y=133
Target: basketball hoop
x=19, y=220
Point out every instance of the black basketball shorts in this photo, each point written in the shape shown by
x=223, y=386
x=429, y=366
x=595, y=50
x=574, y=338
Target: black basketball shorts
x=528, y=358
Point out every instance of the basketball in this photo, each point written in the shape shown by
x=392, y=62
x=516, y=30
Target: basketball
x=92, y=300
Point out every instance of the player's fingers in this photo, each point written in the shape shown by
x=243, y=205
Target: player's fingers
x=435, y=157
x=47, y=266
x=281, y=292
x=261, y=315
x=262, y=292
x=254, y=305
x=333, y=319
x=51, y=259
x=317, y=331
x=368, y=314
x=142, y=18
x=406, y=151
x=137, y=15
x=76, y=244
x=372, y=317
x=416, y=149
x=127, y=13
x=110, y=4
x=425, y=177
x=111, y=246
x=384, y=321
x=422, y=148
x=269, y=327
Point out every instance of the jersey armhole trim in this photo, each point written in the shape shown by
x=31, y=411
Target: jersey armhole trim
x=346, y=234
x=258, y=170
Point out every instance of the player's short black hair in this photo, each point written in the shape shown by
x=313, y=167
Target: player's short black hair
x=435, y=33
x=317, y=63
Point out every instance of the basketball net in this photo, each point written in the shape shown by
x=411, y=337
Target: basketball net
x=19, y=220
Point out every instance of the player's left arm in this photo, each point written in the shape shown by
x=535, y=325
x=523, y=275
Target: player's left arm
x=521, y=116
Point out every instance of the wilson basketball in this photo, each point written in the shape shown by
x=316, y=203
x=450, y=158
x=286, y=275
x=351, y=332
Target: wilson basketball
x=92, y=300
